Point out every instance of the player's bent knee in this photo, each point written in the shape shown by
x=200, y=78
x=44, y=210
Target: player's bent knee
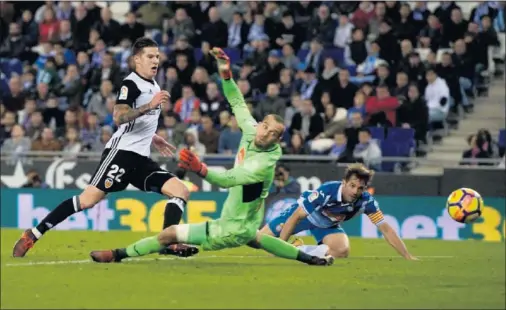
x=88, y=198
x=341, y=252
x=175, y=188
x=168, y=235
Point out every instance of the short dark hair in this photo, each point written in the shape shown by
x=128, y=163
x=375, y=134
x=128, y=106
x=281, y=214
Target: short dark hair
x=360, y=172
x=365, y=129
x=141, y=43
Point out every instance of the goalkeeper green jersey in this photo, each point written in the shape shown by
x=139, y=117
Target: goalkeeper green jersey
x=253, y=166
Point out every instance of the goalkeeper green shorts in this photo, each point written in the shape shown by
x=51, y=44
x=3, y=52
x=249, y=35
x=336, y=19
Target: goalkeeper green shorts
x=217, y=234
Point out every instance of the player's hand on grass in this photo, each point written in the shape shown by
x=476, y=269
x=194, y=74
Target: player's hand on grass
x=162, y=146
x=223, y=62
x=159, y=98
x=189, y=161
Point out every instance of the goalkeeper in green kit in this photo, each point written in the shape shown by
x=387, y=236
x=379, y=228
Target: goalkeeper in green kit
x=248, y=183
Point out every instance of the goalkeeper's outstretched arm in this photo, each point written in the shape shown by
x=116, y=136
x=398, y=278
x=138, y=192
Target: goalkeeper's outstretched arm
x=244, y=119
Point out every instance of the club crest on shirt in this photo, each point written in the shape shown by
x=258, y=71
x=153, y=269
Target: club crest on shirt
x=123, y=93
x=313, y=196
x=240, y=156
x=108, y=183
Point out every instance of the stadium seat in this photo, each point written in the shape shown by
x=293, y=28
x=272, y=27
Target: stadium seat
x=389, y=149
x=233, y=53
x=377, y=133
x=401, y=134
x=302, y=53
x=335, y=53
x=502, y=138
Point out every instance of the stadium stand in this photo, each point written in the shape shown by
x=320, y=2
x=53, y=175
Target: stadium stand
x=420, y=76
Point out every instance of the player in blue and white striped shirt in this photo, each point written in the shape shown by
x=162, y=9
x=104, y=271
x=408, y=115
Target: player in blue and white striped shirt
x=323, y=210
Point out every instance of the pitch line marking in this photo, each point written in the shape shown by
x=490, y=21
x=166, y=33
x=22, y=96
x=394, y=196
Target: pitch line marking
x=87, y=261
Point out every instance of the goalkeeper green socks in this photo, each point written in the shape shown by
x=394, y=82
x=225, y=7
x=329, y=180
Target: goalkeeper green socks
x=140, y=248
x=278, y=247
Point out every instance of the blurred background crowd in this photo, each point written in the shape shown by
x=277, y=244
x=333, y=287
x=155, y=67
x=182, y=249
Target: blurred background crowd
x=357, y=81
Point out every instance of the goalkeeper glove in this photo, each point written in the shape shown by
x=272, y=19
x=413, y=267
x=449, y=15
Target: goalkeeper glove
x=223, y=63
x=190, y=161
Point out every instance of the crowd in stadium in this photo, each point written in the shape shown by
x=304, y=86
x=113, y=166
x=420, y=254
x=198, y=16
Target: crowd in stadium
x=336, y=71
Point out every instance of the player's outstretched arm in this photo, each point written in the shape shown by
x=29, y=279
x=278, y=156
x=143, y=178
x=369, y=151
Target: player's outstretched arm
x=292, y=222
x=124, y=111
x=394, y=240
x=254, y=172
x=244, y=119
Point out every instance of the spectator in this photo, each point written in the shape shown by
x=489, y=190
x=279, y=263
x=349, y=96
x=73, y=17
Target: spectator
x=49, y=28
x=389, y=49
x=108, y=70
x=500, y=19
x=172, y=84
x=34, y=180
x=437, y=95
x=226, y=10
x=237, y=31
x=213, y=102
x=415, y=70
x=379, y=17
x=184, y=69
x=444, y=11
x=98, y=100
x=199, y=80
x=224, y=120
x=307, y=122
x=296, y=145
x=215, y=31
x=371, y=62
x=14, y=101
x=358, y=105
x=271, y=71
x=289, y=32
x=90, y=131
x=174, y=127
x=64, y=10
x=481, y=10
x=80, y=25
x=357, y=51
x=431, y=36
x=8, y=121
x=283, y=182
x=293, y=107
x=363, y=15
x=46, y=142
x=314, y=59
x=382, y=107
x=420, y=15
x=132, y=29
x=183, y=25
x=191, y=142
x=303, y=12
x=15, y=44
x=195, y=120
x=207, y=61
x=24, y=115
x=323, y=26
x=447, y=71
x=105, y=136
x=230, y=138
x=334, y=118
x=186, y=104
x=209, y=136
x=286, y=84
x=289, y=60
x=414, y=113
x=71, y=86
x=109, y=104
x=153, y=14
x=65, y=34
x=401, y=87
x=342, y=36
x=383, y=76
x=344, y=90
x=17, y=143
x=244, y=88
x=52, y=115
x=339, y=150
x=455, y=28
x=367, y=150
x=476, y=151
x=35, y=125
x=72, y=120
x=406, y=29
x=272, y=104
x=309, y=83
x=29, y=29
x=72, y=144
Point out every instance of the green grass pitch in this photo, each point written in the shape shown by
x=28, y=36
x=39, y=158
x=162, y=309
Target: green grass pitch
x=58, y=273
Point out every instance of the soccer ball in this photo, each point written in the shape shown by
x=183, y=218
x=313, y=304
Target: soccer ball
x=464, y=205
